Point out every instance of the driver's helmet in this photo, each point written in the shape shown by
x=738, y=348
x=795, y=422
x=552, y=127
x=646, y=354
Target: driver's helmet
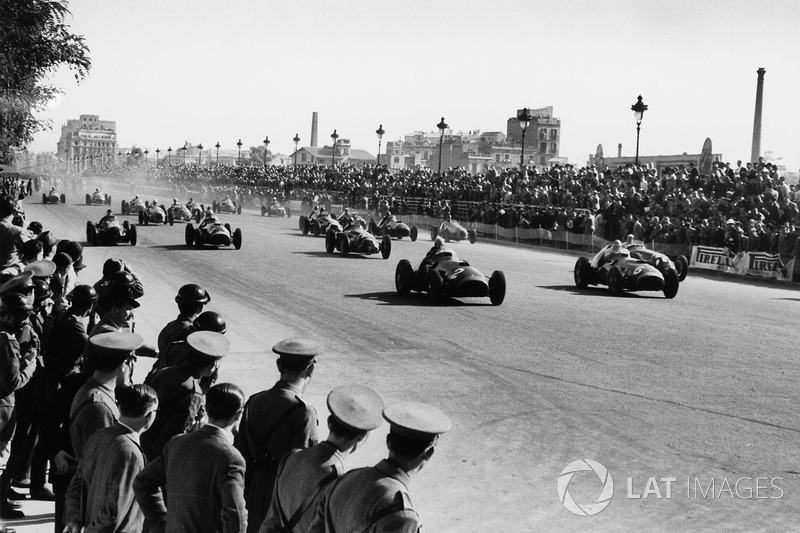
x=274, y=199
x=109, y=213
x=322, y=210
x=174, y=200
x=155, y=202
x=629, y=239
x=616, y=246
x=97, y=191
x=438, y=242
x=346, y=210
x=209, y=213
x=447, y=217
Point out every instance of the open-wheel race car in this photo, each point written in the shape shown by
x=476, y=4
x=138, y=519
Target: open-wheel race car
x=154, y=214
x=318, y=224
x=98, y=198
x=110, y=231
x=212, y=232
x=621, y=271
x=354, y=239
x=393, y=228
x=450, y=230
x=226, y=206
x=53, y=197
x=276, y=209
x=134, y=206
x=182, y=213
x=663, y=263
x=443, y=275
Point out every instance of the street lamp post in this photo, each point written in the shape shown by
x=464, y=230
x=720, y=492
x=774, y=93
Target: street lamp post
x=158, y=151
x=266, y=146
x=638, y=113
x=184, y=154
x=380, y=133
x=524, y=118
x=442, y=125
x=199, y=153
x=146, y=152
x=169, y=156
x=239, y=159
x=334, y=136
x=296, y=142
x=217, y=147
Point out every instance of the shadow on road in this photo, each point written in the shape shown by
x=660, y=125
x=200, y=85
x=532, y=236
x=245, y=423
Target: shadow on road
x=599, y=291
x=416, y=299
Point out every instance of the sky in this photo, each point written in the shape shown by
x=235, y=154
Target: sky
x=202, y=71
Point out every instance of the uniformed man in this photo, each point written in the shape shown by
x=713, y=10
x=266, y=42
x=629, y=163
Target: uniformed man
x=68, y=336
x=100, y=496
x=179, y=392
x=276, y=421
x=377, y=498
x=201, y=472
x=303, y=474
x=42, y=269
x=191, y=299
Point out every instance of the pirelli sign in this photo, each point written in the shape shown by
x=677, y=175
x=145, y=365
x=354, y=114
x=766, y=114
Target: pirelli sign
x=710, y=258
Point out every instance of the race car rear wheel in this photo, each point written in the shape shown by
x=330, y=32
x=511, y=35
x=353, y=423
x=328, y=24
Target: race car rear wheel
x=497, y=287
x=132, y=236
x=301, y=224
x=198, y=238
x=413, y=234
x=386, y=246
x=126, y=225
x=671, y=283
x=239, y=210
x=90, y=233
x=288, y=213
x=330, y=242
x=615, y=280
x=344, y=243
x=583, y=273
x=315, y=226
x=44, y=198
x=141, y=217
x=473, y=236
x=88, y=200
x=682, y=266
x=63, y=198
x=108, y=199
x=170, y=218
x=196, y=215
x=372, y=227
x=237, y=239
x=404, y=277
x=435, y=294
x=434, y=233
x=263, y=210
x=189, y=236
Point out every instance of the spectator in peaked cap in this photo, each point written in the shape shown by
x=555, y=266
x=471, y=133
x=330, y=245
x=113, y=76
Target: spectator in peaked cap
x=116, y=345
x=276, y=421
x=355, y=411
x=42, y=269
x=370, y=495
x=209, y=343
x=20, y=284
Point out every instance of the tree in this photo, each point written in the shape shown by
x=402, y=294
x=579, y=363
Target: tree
x=256, y=157
x=34, y=42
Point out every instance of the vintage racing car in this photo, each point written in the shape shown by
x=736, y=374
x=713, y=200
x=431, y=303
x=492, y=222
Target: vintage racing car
x=110, y=231
x=98, y=198
x=154, y=214
x=393, y=228
x=213, y=232
x=182, y=213
x=53, y=197
x=134, y=206
x=226, y=206
x=318, y=223
x=450, y=230
x=443, y=275
x=639, y=251
x=275, y=209
x=624, y=272
x=354, y=239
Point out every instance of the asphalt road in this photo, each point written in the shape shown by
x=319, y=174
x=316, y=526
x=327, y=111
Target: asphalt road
x=701, y=388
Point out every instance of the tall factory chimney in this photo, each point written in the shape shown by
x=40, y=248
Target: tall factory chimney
x=314, y=128
x=756, y=151
x=619, y=150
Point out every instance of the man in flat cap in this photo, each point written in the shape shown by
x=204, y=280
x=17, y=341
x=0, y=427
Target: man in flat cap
x=179, y=392
x=201, y=472
x=377, y=498
x=304, y=474
x=276, y=421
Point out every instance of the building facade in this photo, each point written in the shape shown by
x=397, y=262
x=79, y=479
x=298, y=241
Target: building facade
x=87, y=142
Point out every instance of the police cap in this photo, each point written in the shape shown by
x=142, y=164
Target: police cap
x=21, y=283
x=416, y=420
x=42, y=269
x=298, y=350
x=117, y=344
x=15, y=302
x=356, y=406
x=209, y=343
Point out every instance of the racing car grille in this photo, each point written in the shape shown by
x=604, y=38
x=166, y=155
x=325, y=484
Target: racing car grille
x=649, y=283
x=220, y=239
x=473, y=287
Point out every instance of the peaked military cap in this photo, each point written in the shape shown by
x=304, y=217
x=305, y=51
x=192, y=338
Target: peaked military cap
x=416, y=420
x=42, y=269
x=356, y=406
x=17, y=283
x=117, y=344
x=209, y=343
x=298, y=350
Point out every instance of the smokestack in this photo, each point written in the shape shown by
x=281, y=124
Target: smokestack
x=314, y=128
x=619, y=150
x=756, y=151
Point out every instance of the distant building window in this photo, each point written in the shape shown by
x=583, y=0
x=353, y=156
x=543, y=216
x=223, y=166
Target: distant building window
x=303, y=157
x=554, y=148
x=554, y=134
x=507, y=157
x=543, y=134
x=497, y=158
x=543, y=147
x=396, y=159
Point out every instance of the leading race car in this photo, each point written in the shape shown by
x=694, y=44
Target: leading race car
x=617, y=268
x=98, y=198
x=154, y=214
x=182, y=213
x=275, y=209
x=450, y=230
x=356, y=240
x=443, y=275
x=226, y=206
x=212, y=232
x=389, y=225
x=663, y=263
x=318, y=223
x=134, y=206
x=109, y=230
x=53, y=197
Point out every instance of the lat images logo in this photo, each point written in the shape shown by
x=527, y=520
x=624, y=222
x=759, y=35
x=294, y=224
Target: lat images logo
x=586, y=509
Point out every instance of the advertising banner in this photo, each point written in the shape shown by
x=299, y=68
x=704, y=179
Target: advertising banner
x=710, y=258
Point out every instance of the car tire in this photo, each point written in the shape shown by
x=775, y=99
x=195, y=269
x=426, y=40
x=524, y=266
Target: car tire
x=126, y=225
x=330, y=242
x=671, y=283
x=263, y=210
x=122, y=208
x=413, y=233
x=239, y=210
x=237, y=238
x=197, y=215
x=372, y=227
x=44, y=198
x=90, y=233
x=386, y=247
x=682, y=266
x=288, y=213
x=88, y=199
x=472, y=235
x=615, y=280
x=63, y=198
x=583, y=273
x=132, y=236
x=198, y=239
x=497, y=287
x=141, y=217
x=344, y=243
x=404, y=277
x=171, y=218
x=189, y=234
x=435, y=294
x=301, y=223
x=434, y=233
x=315, y=226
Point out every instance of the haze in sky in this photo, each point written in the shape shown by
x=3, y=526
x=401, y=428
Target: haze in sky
x=203, y=71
